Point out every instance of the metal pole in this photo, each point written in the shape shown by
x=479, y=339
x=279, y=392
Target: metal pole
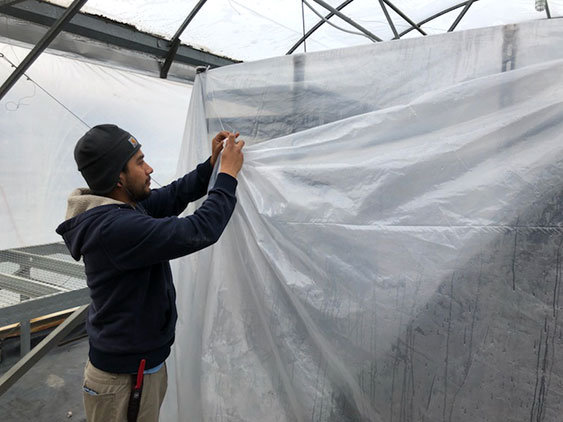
x=25, y=337
x=437, y=15
x=175, y=40
x=547, y=12
x=317, y=26
x=348, y=20
x=389, y=20
x=461, y=15
x=405, y=17
x=41, y=45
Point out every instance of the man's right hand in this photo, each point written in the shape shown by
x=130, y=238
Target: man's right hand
x=232, y=158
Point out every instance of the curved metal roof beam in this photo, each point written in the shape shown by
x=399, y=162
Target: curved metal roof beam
x=317, y=26
x=49, y=36
x=437, y=15
x=461, y=15
x=382, y=2
x=346, y=19
x=405, y=17
x=175, y=40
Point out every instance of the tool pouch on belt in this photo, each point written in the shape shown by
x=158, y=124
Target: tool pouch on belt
x=136, y=390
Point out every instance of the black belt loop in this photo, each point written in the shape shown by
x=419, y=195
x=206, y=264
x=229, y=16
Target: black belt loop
x=136, y=390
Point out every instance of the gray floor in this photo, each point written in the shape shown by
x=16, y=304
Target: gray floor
x=51, y=391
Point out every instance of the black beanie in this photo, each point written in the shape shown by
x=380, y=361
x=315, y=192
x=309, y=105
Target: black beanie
x=101, y=155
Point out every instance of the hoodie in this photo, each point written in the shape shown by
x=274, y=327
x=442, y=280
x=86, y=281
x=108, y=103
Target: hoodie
x=126, y=253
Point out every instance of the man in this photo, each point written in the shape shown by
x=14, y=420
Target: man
x=126, y=234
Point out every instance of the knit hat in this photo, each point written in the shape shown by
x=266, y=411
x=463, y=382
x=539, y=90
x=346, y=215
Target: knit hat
x=101, y=154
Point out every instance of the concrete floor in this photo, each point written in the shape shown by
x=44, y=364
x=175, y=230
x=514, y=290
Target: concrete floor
x=51, y=391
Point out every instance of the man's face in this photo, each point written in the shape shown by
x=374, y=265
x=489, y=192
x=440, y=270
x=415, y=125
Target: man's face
x=137, y=179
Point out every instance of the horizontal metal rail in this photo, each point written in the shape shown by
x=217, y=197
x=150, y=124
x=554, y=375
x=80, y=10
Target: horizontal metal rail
x=43, y=306
x=55, y=265
x=47, y=344
x=26, y=287
x=47, y=249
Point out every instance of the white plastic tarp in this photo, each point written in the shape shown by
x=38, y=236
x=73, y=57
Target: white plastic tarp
x=395, y=254
x=41, y=119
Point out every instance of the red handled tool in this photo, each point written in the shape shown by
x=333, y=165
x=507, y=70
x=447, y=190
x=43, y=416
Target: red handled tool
x=136, y=390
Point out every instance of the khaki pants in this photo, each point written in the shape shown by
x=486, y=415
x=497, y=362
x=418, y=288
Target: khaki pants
x=106, y=395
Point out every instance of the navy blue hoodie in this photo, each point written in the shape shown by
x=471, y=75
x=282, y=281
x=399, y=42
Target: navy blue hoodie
x=126, y=250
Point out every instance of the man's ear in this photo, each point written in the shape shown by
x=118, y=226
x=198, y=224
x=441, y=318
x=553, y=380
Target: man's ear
x=120, y=181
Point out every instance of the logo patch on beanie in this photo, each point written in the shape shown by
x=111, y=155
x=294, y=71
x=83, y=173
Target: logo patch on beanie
x=133, y=141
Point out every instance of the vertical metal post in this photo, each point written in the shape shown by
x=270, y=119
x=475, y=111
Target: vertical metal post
x=41, y=45
x=25, y=337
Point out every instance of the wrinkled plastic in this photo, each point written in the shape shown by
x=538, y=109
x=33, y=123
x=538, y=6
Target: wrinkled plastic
x=396, y=250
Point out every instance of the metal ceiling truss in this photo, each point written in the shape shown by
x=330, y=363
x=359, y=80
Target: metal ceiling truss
x=317, y=26
x=404, y=16
x=346, y=19
x=385, y=4
x=167, y=52
x=137, y=50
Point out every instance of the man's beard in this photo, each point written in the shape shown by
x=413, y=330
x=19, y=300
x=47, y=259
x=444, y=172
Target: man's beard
x=137, y=195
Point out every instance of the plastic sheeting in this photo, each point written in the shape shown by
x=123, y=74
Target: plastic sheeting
x=40, y=123
x=396, y=251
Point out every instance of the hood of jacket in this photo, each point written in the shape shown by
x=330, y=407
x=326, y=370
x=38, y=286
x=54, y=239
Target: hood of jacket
x=83, y=208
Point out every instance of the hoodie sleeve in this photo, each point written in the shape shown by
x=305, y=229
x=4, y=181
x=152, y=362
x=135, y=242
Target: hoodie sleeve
x=174, y=198
x=134, y=240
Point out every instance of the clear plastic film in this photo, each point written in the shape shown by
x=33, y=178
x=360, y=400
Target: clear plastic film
x=396, y=250
x=42, y=118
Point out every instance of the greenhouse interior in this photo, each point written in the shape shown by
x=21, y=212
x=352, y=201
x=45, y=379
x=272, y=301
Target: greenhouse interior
x=396, y=249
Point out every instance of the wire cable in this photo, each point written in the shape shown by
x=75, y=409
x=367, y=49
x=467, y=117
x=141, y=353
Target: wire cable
x=46, y=92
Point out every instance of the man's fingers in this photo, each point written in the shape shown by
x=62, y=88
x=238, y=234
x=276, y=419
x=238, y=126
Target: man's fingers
x=240, y=144
x=221, y=135
x=231, y=139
